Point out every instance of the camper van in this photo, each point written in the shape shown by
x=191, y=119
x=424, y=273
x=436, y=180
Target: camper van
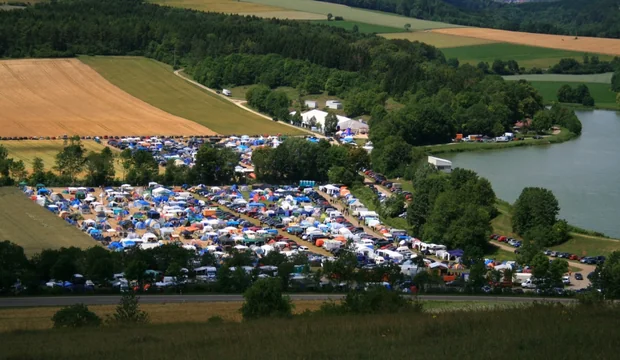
x=390, y=255
x=331, y=245
x=226, y=92
x=520, y=278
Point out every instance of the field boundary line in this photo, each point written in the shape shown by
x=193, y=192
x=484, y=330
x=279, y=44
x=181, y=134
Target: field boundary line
x=239, y=103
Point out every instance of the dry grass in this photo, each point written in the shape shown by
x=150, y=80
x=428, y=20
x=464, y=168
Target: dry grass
x=437, y=39
x=240, y=8
x=53, y=97
x=39, y=318
x=34, y=228
x=27, y=150
x=564, y=42
x=285, y=14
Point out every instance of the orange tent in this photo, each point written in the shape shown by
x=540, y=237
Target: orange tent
x=320, y=242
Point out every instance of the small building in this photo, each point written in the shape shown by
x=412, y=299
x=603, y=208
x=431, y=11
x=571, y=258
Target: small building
x=441, y=164
x=334, y=104
x=311, y=104
x=226, y=92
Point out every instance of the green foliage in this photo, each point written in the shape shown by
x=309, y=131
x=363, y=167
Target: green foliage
x=579, y=95
x=100, y=167
x=128, y=311
x=615, y=81
x=13, y=264
x=375, y=300
x=265, y=299
x=70, y=161
x=331, y=124
x=607, y=277
x=214, y=166
x=75, y=316
x=534, y=207
x=142, y=167
x=542, y=121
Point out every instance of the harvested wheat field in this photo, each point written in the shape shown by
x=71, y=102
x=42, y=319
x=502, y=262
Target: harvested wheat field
x=240, y=8
x=564, y=42
x=53, y=97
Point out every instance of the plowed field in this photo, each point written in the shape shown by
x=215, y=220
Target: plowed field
x=53, y=97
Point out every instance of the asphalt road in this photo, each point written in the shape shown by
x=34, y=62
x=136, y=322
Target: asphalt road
x=8, y=302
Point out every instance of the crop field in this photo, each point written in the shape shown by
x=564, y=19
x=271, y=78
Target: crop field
x=602, y=94
x=526, y=56
x=354, y=14
x=240, y=8
x=362, y=27
x=588, y=78
x=27, y=150
x=34, y=228
x=437, y=39
x=156, y=84
x=54, y=97
x=562, y=42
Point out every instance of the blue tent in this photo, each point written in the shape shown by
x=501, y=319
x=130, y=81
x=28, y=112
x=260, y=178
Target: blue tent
x=140, y=225
x=43, y=192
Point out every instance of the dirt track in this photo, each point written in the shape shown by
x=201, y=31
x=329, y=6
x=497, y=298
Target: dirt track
x=564, y=42
x=53, y=97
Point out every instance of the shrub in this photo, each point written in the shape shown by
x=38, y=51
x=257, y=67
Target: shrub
x=264, y=299
x=128, y=311
x=215, y=320
x=75, y=316
x=377, y=300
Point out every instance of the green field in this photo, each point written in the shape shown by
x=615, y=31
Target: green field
x=34, y=228
x=27, y=150
x=602, y=94
x=156, y=84
x=589, y=78
x=354, y=14
x=526, y=56
x=362, y=27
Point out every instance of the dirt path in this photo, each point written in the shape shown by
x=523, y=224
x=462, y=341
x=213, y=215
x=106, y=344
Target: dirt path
x=584, y=269
x=240, y=103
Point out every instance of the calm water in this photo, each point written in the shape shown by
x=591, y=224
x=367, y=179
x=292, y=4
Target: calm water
x=584, y=174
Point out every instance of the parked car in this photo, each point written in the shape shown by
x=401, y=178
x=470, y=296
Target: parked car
x=578, y=276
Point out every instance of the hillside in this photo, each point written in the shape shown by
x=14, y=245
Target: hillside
x=29, y=225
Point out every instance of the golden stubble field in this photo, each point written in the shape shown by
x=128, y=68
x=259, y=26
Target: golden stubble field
x=564, y=42
x=54, y=97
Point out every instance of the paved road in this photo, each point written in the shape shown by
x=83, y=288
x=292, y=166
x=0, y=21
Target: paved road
x=160, y=299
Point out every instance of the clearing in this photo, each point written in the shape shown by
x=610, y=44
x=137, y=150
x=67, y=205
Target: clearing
x=354, y=14
x=34, y=228
x=526, y=56
x=563, y=42
x=27, y=150
x=239, y=8
x=361, y=27
x=156, y=84
x=54, y=97
x=589, y=78
x=436, y=39
x=602, y=94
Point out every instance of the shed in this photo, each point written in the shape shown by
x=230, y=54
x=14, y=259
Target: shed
x=311, y=104
x=334, y=104
x=441, y=164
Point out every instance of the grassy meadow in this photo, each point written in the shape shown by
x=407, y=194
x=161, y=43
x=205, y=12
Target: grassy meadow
x=437, y=39
x=354, y=14
x=156, y=84
x=532, y=332
x=34, y=228
x=526, y=56
x=27, y=150
x=603, y=96
x=588, y=78
x=362, y=27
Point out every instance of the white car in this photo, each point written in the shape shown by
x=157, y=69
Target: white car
x=566, y=280
x=302, y=249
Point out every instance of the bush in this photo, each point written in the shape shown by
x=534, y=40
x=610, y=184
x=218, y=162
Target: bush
x=128, y=311
x=264, y=299
x=75, y=316
x=215, y=320
x=377, y=300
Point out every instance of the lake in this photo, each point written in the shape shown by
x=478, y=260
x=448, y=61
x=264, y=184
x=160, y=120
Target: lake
x=584, y=174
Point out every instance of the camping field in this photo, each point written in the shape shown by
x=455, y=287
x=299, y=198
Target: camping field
x=156, y=84
x=437, y=39
x=27, y=150
x=361, y=27
x=526, y=56
x=602, y=94
x=34, y=228
x=55, y=97
x=354, y=14
x=239, y=7
x=561, y=42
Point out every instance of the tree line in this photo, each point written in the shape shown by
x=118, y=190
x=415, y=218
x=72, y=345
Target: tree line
x=599, y=18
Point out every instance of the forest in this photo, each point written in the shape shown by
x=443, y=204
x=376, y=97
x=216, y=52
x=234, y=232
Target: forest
x=599, y=18
x=440, y=97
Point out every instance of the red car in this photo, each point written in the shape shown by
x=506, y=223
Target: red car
x=501, y=239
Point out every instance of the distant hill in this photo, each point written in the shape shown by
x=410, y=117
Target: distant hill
x=599, y=18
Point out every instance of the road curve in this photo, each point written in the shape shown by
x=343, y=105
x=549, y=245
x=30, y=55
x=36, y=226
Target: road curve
x=11, y=302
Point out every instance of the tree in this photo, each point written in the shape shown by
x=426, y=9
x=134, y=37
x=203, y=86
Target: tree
x=135, y=270
x=265, y=299
x=329, y=17
x=128, y=311
x=98, y=264
x=534, y=207
x=542, y=121
x=13, y=264
x=100, y=167
x=615, y=81
x=587, y=101
x=618, y=99
x=607, y=276
x=355, y=28
x=18, y=170
x=565, y=94
x=75, y=316
x=331, y=124
x=70, y=161
x=407, y=27
x=342, y=175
